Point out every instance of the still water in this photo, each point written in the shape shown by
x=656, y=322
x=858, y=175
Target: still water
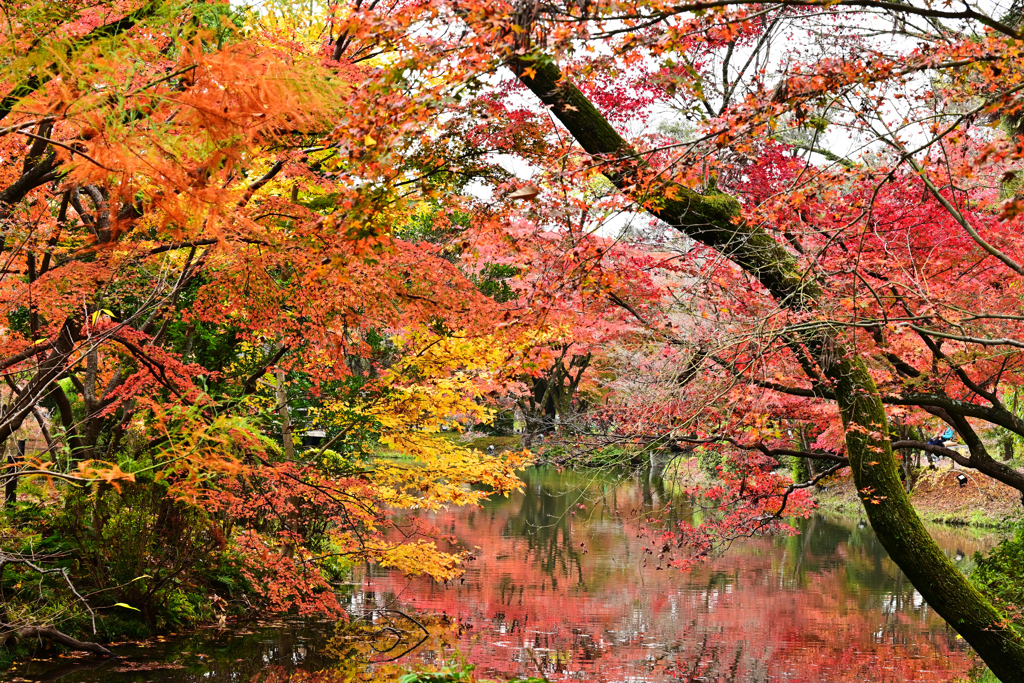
x=565, y=582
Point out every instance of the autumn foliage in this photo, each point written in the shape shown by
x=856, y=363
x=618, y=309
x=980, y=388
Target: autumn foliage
x=227, y=228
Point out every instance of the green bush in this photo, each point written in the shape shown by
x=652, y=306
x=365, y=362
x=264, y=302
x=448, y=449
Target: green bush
x=614, y=455
x=185, y=609
x=556, y=452
x=502, y=425
x=800, y=468
x=708, y=461
x=331, y=463
x=1000, y=575
x=159, y=556
x=458, y=674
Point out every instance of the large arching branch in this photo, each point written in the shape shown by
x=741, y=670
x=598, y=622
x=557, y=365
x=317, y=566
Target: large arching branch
x=715, y=220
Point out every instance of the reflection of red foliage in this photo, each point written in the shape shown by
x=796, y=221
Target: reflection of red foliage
x=577, y=593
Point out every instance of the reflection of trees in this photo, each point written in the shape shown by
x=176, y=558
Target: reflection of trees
x=824, y=605
x=822, y=545
x=852, y=554
x=545, y=522
x=225, y=656
x=711, y=661
x=548, y=512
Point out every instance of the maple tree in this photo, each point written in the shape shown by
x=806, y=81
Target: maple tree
x=207, y=208
x=876, y=300
x=839, y=270
x=203, y=246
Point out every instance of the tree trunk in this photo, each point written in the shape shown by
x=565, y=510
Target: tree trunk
x=8, y=468
x=714, y=220
x=291, y=517
x=11, y=487
x=287, y=442
x=903, y=535
x=8, y=632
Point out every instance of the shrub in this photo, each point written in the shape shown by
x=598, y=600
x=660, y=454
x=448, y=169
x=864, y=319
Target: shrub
x=1000, y=575
x=800, y=468
x=709, y=461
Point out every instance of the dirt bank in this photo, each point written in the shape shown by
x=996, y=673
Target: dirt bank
x=938, y=497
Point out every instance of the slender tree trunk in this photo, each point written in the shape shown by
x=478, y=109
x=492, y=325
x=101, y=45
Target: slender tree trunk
x=291, y=520
x=8, y=468
x=11, y=487
x=715, y=220
x=287, y=442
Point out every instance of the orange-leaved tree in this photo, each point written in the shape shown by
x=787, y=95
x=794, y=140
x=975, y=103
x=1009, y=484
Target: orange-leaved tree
x=205, y=231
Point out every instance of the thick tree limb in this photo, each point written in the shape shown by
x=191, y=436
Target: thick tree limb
x=967, y=13
x=992, y=414
x=712, y=219
x=715, y=220
x=764, y=448
x=26, y=354
x=256, y=185
x=249, y=385
x=976, y=461
x=34, y=176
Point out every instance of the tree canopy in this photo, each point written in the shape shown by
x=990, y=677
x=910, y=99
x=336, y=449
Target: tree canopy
x=228, y=227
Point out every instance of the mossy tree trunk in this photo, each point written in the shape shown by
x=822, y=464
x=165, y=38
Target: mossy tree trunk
x=802, y=466
x=714, y=219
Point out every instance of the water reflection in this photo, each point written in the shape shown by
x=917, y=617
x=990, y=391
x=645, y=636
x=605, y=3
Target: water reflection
x=236, y=655
x=566, y=581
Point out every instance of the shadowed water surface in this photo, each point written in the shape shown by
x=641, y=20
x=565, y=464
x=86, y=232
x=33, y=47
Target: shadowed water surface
x=566, y=581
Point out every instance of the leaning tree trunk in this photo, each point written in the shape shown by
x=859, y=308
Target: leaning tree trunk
x=715, y=220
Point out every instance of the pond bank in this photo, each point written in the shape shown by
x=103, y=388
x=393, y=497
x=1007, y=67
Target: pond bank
x=939, y=498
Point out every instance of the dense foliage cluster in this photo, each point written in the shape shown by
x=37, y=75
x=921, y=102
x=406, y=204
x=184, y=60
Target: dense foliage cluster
x=230, y=230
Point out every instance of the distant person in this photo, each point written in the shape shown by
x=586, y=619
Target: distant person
x=937, y=440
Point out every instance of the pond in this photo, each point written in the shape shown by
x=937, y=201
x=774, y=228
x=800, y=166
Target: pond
x=565, y=582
